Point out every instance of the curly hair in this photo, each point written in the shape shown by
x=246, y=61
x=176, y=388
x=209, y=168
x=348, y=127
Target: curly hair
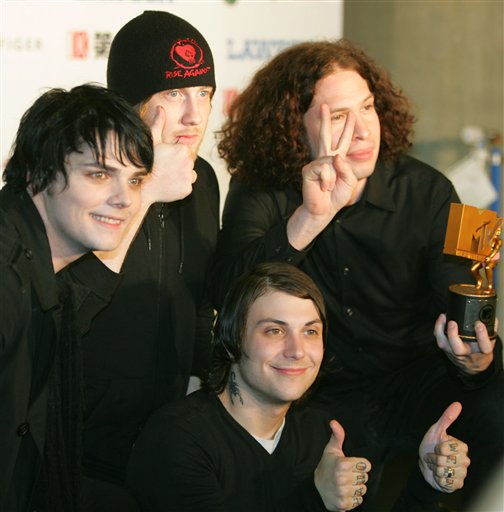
x=264, y=138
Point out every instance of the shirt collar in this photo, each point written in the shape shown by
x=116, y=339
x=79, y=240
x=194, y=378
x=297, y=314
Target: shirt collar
x=35, y=257
x=378, y=190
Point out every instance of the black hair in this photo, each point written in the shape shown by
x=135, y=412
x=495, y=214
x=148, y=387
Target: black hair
x=60, y=121
x=231, y=321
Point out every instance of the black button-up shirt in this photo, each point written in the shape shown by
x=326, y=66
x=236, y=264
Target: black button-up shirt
x=379, y=263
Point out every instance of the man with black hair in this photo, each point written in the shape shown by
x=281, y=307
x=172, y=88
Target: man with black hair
x=246, y=443
x=72, y=185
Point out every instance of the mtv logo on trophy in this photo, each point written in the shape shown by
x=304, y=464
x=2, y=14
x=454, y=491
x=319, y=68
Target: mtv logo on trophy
x=474, y=234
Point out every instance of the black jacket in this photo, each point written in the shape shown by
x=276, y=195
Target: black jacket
x=156, y=332
x=30, y=328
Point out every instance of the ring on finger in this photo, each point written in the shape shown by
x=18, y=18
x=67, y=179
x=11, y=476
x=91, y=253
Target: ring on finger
x=449, y=472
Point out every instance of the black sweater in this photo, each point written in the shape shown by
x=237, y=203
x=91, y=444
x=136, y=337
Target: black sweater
x=194, y=456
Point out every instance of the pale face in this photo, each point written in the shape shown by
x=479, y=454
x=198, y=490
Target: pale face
x=187, y=111
x=93, y=211
x=344, y=92
x=282, y=350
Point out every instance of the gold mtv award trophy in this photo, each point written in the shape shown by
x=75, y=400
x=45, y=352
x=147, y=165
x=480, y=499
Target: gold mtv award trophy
x=475, y=234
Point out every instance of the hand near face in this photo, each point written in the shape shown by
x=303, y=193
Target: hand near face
x=443, y=459
x=328, y=181
x=340, y=480
x=173, y=170
x=471, y=358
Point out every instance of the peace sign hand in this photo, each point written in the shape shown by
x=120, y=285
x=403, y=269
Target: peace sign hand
x=328, y=183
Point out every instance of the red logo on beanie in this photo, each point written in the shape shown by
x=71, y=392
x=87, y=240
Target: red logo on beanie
x=187, y=54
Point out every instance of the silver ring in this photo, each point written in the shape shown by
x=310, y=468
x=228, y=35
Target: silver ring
x=449, y=472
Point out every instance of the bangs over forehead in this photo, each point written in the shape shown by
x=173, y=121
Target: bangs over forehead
x=60, y=121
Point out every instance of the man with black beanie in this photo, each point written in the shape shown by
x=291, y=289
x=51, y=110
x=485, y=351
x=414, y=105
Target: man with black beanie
x=155, y=334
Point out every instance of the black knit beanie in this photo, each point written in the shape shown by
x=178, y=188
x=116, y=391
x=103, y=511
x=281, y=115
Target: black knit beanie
x=157, y=51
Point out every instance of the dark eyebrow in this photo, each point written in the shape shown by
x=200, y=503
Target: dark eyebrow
x=111, y=168
x=282, y=322
x=345, y=109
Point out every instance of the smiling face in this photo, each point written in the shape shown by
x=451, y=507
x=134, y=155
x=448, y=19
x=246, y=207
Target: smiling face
x=281, y=351
x=187, y=111
x=93, y=210
x=346, y=91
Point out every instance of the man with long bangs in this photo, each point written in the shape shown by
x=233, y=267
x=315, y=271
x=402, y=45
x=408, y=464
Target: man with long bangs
x=72, y=185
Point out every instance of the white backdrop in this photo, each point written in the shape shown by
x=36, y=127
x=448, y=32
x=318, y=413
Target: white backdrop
x=61, y=44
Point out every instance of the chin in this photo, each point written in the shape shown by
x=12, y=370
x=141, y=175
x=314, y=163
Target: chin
x=109, y=245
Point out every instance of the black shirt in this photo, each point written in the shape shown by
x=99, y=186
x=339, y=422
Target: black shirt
x=379, y=263
x=194, y=456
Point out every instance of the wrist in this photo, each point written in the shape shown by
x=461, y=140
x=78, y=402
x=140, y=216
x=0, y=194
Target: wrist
x=303, y=227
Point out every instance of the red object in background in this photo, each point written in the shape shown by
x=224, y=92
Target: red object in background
x=80, y=45
x=229, y=95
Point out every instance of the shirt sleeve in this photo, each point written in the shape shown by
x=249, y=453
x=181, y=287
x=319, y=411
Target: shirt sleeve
x=305, y=498
x=253, y=231
x=171, y=471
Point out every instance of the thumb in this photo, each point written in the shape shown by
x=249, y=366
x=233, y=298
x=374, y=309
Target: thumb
x=447, y=418
x=335, y=444
x=157, y=125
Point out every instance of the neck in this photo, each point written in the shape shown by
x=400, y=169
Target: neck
x=257, y=418
x=60, y=263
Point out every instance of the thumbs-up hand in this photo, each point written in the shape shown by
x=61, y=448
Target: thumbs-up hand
x=340, y=480
x=443, y=459
x=173, y=173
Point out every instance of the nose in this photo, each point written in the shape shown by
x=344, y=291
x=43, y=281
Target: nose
x=121, y=194
x=191, y=115
x=361, y=130
x=294, y=347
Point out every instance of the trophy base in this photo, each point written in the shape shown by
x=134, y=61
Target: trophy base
x=468, y=304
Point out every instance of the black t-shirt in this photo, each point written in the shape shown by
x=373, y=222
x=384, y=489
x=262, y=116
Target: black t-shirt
x=194, y=456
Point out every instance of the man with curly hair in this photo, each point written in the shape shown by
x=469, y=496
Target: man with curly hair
x=316, y=146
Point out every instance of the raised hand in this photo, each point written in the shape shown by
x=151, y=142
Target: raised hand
x=340, y=480
x=443, y=459
x=173, y=171
x=471, y=358
x=171, y=179
x=328, y=183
